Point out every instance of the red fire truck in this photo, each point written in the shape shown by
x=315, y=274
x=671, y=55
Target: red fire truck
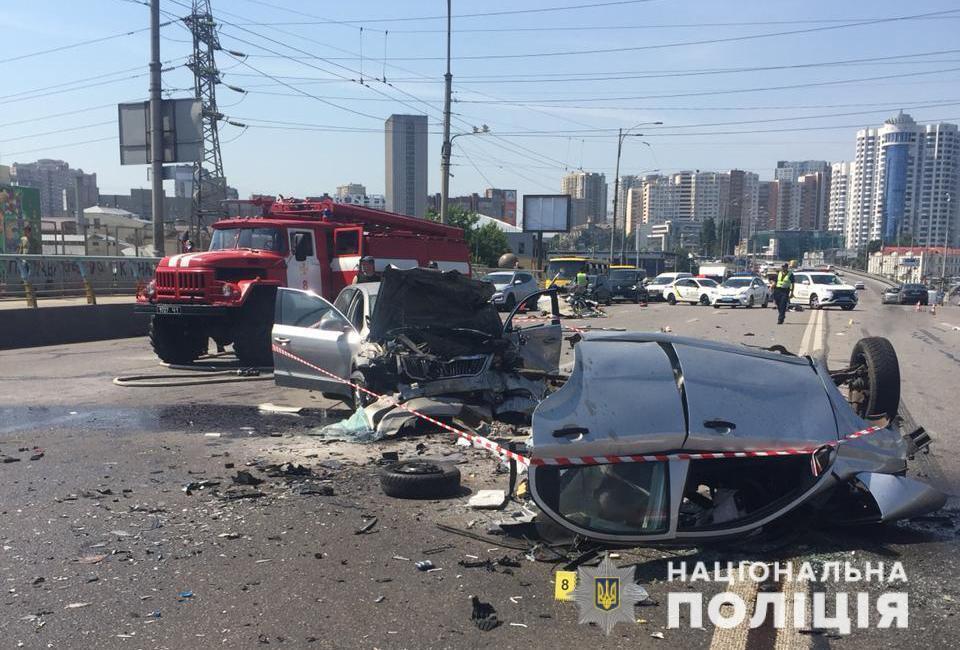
x=227, y=292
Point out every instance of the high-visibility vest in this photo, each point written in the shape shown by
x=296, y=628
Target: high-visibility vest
x=784, y=279
x=581, y=279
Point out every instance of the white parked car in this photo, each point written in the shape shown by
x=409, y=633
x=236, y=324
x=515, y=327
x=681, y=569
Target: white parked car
x=821, y=289
x=511, y=287
x=697, y=291
x=656, y=286
x=742, y=291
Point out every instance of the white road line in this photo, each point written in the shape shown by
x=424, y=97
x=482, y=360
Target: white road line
x=789, y=637
x=818, y=339
x=807, y=333
x=735, y=638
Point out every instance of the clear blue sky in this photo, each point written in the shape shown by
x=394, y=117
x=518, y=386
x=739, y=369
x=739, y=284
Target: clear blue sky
x=558, y=98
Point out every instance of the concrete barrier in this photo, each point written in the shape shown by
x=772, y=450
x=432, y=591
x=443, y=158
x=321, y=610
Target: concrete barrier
x=25, y=327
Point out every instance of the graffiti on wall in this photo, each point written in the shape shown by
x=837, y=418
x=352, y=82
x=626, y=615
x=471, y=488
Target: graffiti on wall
x=59, y=274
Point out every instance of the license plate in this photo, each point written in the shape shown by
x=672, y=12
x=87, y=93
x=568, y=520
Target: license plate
x=168, y=309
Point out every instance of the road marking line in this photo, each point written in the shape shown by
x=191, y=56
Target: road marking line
x=807, y=332
x=818, y=340
x=736, y=637
x=789, y=637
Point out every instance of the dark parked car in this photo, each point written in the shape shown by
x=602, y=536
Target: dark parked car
x=627, y=284
x=907, y=294
x=598, y=288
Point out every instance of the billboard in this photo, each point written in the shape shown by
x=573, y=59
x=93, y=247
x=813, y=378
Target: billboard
x=20, y=209
x=182, y=131
x=546, y=212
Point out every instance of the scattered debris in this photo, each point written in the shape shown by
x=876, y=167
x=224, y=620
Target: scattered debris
x=212, y=434
x=424, y=565
x=92, y=559
x=518, y=625
x=184, y=595
x=244, y=477
x=193, y=486
x=366, y=528
x=487, y=499
x=379, y=599
x=484, y=616
x=77, y=605
x=657, y=635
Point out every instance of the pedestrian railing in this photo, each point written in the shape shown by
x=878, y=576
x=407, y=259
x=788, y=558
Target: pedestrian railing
x=35, y=277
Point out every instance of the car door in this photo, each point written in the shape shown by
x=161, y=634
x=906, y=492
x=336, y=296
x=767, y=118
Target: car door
x=537, y=342
x=685, y=289
x=313, y=343
x=801, y=288
x=527, y=285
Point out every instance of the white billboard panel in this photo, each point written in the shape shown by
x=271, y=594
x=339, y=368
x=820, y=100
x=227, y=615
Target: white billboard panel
x=546, y=213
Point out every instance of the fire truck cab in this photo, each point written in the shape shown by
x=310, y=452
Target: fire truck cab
x=227, y=292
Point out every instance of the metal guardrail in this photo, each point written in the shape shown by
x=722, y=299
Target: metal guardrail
x=48, y=276
x=870, y=276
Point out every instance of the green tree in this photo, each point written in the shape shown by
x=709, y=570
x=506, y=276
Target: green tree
x=486, y=243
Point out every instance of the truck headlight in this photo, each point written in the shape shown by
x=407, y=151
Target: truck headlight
x=230, y=290
x=150, y=291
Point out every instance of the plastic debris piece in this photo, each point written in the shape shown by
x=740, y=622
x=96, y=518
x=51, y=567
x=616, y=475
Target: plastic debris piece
x=366, y=528
x=77, y=605
x=185, y=595
x=424, y=565
x=212, y=434
x=657, y=635
x=487, y=499
x=269, y=407
x=244, y=477
x=518, y=625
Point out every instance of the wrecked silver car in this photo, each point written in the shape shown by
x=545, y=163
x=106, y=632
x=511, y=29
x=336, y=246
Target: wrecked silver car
x=420, y=335
x=656, y=437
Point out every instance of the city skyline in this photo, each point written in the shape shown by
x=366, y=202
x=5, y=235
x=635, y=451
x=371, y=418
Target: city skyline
x=824, y=71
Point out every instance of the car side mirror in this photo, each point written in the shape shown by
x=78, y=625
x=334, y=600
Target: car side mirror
x=331, y=323
x=518, y=281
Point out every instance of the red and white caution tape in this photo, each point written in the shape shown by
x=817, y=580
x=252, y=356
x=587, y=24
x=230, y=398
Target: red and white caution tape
x=652, y=458
x=559, y=461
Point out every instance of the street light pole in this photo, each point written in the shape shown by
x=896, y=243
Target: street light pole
x=616, y=181
x=156, y=132
x=445, y=151
x=946, y=242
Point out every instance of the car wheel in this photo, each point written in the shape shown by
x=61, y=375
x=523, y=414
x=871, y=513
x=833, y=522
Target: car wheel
x=671, y=299
x=420, y=479
x=359, y=398
x=704, y=300
x=716, y=306
x=510, y=302
x=814, y=302
x=876, y=389
x=750, y=303
x=846, y=307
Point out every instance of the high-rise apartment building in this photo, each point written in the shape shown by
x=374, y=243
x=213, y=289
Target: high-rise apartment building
x=634, y=208
x=592, y=188
x=502, y=204
x=743, y=201
x=841, y=176
x=803, y=204
x=768, y=199
x=659, y=199
x=904, y=184
x=626, y=183
x=406, y=164
x=350, y=189
x=60, y=186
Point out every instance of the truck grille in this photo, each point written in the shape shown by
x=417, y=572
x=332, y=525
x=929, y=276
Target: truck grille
x=172, y=285
x=423, y=368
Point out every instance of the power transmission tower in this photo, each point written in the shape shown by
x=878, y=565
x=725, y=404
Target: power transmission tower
x=209, y=183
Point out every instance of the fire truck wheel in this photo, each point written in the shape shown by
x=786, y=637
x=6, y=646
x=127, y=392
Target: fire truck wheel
x=174, y=341
x=251, y=339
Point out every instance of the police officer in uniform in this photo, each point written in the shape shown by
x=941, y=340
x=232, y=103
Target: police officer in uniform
x=782, y=289
x=580, y=282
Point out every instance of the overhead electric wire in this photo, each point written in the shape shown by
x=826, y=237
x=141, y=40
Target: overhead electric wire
x=658, y=46
x=61, y=146
x=507, y=12
x=58, y=131
x=71, y=46
x=51, y=116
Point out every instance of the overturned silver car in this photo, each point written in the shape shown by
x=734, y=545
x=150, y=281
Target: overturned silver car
x=655, y=437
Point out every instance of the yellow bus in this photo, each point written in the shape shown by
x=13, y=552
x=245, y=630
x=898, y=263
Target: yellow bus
x=562, y=271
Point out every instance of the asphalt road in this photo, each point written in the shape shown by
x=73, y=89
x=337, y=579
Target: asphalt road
x=100, y=547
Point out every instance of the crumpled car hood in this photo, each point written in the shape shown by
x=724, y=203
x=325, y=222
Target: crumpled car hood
x=426, y=298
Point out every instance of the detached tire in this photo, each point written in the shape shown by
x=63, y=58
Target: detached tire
x=881, y=393
x=175, y=341
x=420, y=479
